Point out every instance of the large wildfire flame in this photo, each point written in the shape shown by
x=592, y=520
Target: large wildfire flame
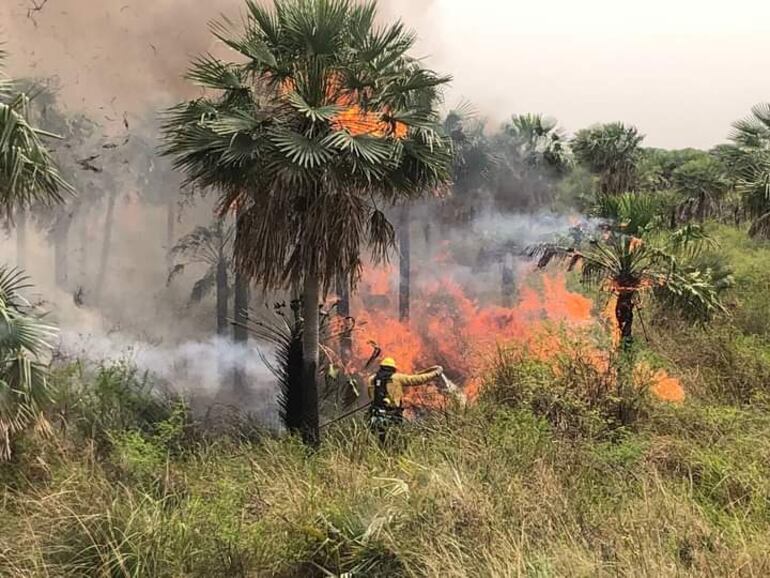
x=450, y=328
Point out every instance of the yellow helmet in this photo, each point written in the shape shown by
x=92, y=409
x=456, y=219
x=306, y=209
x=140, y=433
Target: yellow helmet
x=388, y=362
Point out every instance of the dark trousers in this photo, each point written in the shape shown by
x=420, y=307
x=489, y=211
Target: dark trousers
x=382, y=418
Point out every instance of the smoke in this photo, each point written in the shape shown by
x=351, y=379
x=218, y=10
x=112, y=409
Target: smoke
x=580, y=62
x=194, y=369
x=526, y=229
x=113, y=56
x=118, y=62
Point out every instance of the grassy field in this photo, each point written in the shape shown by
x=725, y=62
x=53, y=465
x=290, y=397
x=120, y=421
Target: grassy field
x=536, y=479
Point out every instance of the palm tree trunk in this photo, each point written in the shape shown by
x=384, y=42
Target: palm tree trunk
x=702, y=207
x=109, y=220
x=61, y=251
x=310, y=347
x=21, y=238
x=624, y=315
x=240, y=333
x=404, y=246
x=170, y=217
x=507, y=281
x=222, y=296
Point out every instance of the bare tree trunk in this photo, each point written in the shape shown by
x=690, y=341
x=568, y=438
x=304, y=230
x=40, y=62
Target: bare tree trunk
x=222, y=295
x=21, y=238
x=624, y=315
x=61, y=249
x=310, y=347
x=404, y=245
x=240, y=333
x=170, y=218
x=507, y=281
x=109, y=221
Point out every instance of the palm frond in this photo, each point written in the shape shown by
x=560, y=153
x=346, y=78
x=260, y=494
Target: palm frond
x=25, y=339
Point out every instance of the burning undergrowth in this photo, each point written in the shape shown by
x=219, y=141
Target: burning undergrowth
x=454, y=326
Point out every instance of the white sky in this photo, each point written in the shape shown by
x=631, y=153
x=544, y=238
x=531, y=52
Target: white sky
x=681, y=70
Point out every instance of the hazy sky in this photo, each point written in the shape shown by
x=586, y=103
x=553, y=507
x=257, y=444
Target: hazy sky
x=681, y=70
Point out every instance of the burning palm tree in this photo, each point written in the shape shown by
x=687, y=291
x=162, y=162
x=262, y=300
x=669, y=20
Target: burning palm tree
x=327, y=121
x=627, y=266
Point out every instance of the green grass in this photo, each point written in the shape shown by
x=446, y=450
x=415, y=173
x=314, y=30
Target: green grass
x=488, y=491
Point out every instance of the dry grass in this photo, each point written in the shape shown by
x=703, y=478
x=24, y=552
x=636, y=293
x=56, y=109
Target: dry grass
x=489, y=492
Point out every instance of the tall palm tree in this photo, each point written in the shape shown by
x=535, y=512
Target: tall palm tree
x=210, y=246
x=703, y=183
x=610, y=151
x=534, y=153
x=750, y=159
x=474, y=164
x=327, y=121
x=27, y=175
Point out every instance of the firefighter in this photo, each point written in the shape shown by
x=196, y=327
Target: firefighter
x=386, y=391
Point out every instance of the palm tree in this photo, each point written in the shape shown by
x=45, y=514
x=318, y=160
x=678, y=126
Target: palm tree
x=534, y=154
x=327, y=121
x=27, y=171
x=703, y=182
x=26, y=340
x=626, y=266
x=210, y=246
x=611, y=152
x=27, y=175
x=630, y=213
x=474, y=164
x=750, y=159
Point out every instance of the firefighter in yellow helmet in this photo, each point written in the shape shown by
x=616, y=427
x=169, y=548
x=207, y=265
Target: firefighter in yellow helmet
x=386, y=392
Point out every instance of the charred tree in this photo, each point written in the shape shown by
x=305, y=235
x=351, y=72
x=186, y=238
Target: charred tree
x=21, y=238
x=109, y=222
x=289, y=370
x=170, y=218
x=404, y=269
x=508, y=288
x=222, y=295
x=624, y=315
x=61, y=251
x=311, y=296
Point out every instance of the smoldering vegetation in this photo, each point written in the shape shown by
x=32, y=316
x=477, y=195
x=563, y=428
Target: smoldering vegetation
x=128, y=267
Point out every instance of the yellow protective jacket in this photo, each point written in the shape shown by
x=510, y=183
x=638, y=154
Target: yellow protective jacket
x=398, y=381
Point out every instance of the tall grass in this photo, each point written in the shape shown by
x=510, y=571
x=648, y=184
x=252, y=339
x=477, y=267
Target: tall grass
x=488, y=491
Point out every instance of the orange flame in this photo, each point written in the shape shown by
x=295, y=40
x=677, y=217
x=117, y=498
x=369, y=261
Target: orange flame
x=353, y=118
x=450, y=328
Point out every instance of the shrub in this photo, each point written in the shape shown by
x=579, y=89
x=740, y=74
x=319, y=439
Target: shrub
x=571, y=392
